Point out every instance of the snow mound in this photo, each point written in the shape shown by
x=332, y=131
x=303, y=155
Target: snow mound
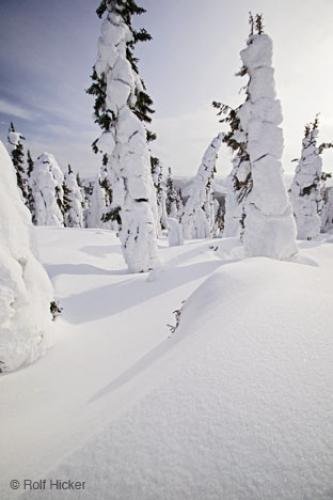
x=240, y=405
x=25, y=290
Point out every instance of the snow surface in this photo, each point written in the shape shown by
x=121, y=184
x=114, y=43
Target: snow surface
x=236, y=404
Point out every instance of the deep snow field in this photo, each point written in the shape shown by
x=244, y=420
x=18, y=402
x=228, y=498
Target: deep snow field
x=236, y=404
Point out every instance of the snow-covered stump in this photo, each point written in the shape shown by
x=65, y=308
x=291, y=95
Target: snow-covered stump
x=269, y=225
x=306, y=188
x=73, y=213
x=47, y=187
x=25, y=289
x=120, y=108
x=175, y=232
x=196, y=219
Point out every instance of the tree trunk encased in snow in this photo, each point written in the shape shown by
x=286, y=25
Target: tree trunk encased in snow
x=327, y=211
x=25, y=289
x=125, y=145
x=99, y=206
x=237, y=191
x=47, y=187
x=269, y=225
x=196, y=219
x=73, y=216
x=175, y=232
x=305, y=190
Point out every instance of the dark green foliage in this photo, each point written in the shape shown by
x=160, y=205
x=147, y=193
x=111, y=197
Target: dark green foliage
x=112, y=215
x=106, y=185
x=78, y=180
x=104, y=117
x=30, y=200
x=259, y=24
x=66, y=205
x=171, y=192
x=55, y=309
x=151, y=136
x=30, y=163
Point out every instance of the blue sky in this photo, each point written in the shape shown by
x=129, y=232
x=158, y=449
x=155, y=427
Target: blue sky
x=48, y=48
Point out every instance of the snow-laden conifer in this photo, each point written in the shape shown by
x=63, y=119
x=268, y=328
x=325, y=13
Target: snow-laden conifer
x=121, y=107
x=16, y=151
x=100, y=210
x=197, y=218
x=239, y=181
x=30, y=201
x=25, y=290
x=47, y=189
x=306, y=189
x=73, y=214
x=157, y=173
x=175, y=232
x=269, y=227
x=172, y=198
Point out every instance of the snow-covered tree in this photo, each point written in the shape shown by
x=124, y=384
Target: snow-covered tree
x=171, y=197
x=197, y=218
x=175, y=232
x=25, y=289
x=157, y=173
x=73, y=215
x=121, y=108
x=47, y=189
x=15, y=147
x=306, y=189
x=269, y=226
x=239, y=181
x=101, y=212
x=327, y=211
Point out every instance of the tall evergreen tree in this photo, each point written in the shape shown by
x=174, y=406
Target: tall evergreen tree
x=16, y=150
x=157, y=173
x=171, y=196
x=122, y=106
x=239, y=181
x=73, y=214
x=47, y=188
x=31, y=201
x=269, y=228
x=306, y=190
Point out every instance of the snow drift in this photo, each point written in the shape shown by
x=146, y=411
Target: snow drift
x=25, y=290
x=240, y=401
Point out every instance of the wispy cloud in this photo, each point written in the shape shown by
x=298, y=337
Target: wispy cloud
x=11, y=109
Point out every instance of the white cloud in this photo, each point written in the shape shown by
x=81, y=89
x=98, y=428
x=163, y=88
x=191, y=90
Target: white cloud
x=15, y=110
